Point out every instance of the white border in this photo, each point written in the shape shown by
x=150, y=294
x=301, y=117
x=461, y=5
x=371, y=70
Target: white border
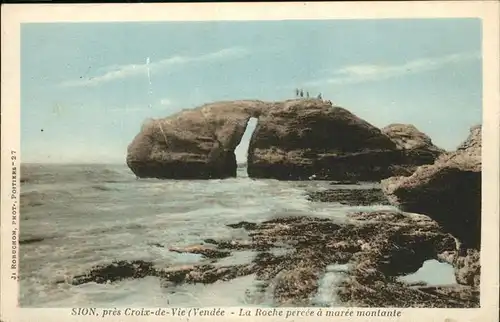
x=488, y=11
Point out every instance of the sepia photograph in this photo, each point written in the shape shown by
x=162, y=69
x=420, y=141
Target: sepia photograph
x=314, y=163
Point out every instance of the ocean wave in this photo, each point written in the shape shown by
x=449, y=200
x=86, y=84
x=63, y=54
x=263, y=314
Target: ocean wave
x=37, y=198
x=114, y=228
x=104, y=188
x=32, y=239
x=67, y=173
x=116, y=181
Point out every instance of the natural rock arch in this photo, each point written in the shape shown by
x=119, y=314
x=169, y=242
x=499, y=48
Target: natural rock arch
x=192, y=144
x=293, y=140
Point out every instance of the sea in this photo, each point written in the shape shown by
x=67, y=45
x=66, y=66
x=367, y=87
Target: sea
x=74, y=217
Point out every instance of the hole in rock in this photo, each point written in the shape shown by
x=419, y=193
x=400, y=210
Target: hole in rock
x=241, y=150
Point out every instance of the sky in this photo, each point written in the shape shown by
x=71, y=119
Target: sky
x=86, y=88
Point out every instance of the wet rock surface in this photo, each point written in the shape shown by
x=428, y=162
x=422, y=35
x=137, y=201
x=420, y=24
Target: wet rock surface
x=352, y=197
x=377, y=246
x=207, y=252
x=243, y=224
x=116, y=271
x=344, y=182
x=468, y=268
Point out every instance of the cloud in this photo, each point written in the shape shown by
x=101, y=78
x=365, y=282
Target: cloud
x=368, y=73
x=116, y=72
x=165, y=102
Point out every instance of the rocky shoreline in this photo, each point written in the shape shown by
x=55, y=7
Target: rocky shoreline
x=374, y=249
x=448, y=191
x=378, y=247
x=438, y=195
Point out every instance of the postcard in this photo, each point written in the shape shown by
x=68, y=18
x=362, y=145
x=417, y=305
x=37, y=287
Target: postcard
x=250, y=161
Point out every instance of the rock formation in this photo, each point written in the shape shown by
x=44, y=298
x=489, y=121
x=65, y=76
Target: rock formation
x=192, y=144
x=293, y=140
x=296, y=139
x=448, y=191
x=416, y=147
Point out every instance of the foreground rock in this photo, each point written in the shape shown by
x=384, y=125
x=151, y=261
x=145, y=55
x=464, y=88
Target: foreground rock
x=174, y=275
x=115, y=271
x=205, y=251
x=378, y=248
x=468, y=268
x=351, y=197
x=448, y=191
x=293, y=140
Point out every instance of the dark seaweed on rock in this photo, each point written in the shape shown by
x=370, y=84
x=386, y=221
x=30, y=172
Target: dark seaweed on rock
x=352, y=197
x=116, y=271
x=379, y=247
x=120, y=270
x=243, y=224
x=345, y=182
x=207, y=252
